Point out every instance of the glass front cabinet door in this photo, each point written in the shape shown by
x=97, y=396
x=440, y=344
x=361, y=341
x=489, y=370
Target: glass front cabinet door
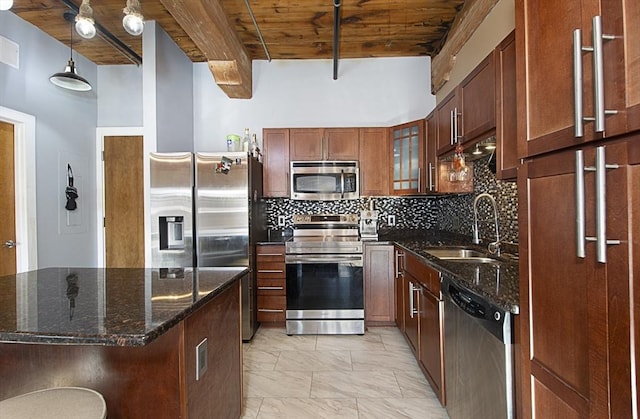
x=408, y=158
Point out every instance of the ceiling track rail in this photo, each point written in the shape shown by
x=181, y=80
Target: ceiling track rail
x=336, y=36
x=110, y=38
x=255, y=24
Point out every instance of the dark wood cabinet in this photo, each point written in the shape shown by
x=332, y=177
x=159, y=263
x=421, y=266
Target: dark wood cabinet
x=431, y=153
x=431, y=336
x=271, y=282
x=324, y=143
x=374, y=161
x=477, y=96
x=469, y=111
x=506, y=120
x=547, y=105
x=407, y=149
x=399, y=288
x=379, y=305
x=275, y=148
x=577, y=357
x=448, y=123
x=411, y=290
x=421, y=317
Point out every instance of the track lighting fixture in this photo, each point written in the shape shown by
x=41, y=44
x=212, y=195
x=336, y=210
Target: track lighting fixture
x=85, y=25
x=133, y=21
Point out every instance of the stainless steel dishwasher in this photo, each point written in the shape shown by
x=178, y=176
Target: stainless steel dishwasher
x=479, y=365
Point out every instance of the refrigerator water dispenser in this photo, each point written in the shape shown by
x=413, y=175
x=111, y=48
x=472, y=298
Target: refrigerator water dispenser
x=171, y=233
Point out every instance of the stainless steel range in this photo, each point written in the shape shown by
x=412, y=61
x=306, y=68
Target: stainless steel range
x=325, y=288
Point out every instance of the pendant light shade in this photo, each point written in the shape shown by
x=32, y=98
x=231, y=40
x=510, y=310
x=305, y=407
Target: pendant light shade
x=85, y=25
x=6, y=4
x=133, y=21
x=69, y=78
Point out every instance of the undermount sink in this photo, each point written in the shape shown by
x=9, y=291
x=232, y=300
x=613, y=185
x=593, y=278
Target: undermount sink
x=457, y=254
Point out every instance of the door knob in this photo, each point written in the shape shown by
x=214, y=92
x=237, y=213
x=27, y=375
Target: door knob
x=9, y=244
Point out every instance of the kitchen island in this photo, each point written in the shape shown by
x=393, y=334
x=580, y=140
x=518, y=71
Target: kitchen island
x=161, y=343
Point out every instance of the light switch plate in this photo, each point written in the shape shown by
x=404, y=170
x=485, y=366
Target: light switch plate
x=280, y=220
x=201, y=359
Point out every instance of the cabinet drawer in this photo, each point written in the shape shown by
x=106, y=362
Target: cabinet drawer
x=271, y=308
x=270, y=252
x=271, y=286
x=270, y=269
x=416, y=267
x=429, y=277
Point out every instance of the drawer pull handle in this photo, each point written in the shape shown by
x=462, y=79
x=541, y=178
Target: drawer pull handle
x=270, y=310
x=271, y=288
x=270, y=271
x=270, y=254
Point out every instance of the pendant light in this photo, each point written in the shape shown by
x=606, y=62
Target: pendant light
x=85, y=25
x=69, y=78
x=133, y=21
x=6, y=4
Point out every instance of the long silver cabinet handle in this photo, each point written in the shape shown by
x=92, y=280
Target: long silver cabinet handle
x=598, y=74
x=601, y=205
x=577, y=84
x=419, y=176
x=451, y=128
x=399, y=255
x=270, y=271
x=457, y=127
x=271, y=288
x=270, y=310
x=411, y=309
x=270, y=254
x=580, y=229
x=430, y=168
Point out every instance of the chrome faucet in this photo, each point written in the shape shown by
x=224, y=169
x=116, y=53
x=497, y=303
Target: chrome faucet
x=494, y=247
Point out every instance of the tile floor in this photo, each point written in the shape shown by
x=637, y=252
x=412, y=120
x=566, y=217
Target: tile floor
x=340, y=376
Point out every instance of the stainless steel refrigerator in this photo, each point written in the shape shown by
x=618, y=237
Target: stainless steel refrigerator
x=206, y=210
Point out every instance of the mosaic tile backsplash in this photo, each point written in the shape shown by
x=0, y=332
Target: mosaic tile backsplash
x=452, y=213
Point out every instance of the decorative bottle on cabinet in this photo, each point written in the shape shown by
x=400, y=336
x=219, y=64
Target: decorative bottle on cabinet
x=245, y=141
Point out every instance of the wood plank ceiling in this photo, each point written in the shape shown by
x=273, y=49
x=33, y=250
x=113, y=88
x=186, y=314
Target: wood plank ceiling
x=292, y=29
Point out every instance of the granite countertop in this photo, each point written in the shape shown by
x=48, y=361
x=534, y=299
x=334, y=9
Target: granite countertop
x=111, y=307
x=497, y=282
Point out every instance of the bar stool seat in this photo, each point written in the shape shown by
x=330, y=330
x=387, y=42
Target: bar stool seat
x=54, y=403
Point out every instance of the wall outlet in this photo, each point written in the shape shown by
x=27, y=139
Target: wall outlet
x=280, y=220
x=391, y=220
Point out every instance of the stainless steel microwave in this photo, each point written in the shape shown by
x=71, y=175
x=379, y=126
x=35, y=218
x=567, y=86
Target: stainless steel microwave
x=324, y=180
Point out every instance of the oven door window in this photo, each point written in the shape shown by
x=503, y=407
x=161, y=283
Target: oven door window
x=324, y=286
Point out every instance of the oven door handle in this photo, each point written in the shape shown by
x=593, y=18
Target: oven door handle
x=299, y=259
x=342, y=184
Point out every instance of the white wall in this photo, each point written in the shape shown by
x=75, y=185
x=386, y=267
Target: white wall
x=119, y=96
x=302, y=93
x=65, y=133
x=174, y=95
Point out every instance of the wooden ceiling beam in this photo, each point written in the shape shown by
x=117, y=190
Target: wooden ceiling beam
x=465, y=24
x=206, y=23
